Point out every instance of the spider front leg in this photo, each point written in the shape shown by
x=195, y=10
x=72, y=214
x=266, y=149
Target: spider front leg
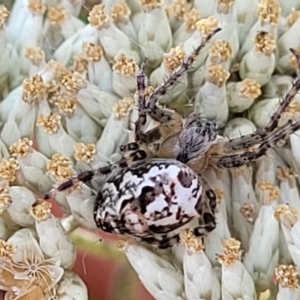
x=150, y=108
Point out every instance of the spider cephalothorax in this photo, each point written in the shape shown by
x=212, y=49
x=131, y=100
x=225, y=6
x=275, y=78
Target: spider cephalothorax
x=153, y=199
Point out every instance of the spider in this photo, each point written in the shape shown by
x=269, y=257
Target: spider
x=154, y=199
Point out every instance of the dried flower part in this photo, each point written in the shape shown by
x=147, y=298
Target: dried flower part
x=98, y=18
x=231, y=248
x=265, y=43
x=149, y=90
x=174, y=58
x=8, y=169
x=248, y=211
x=7, y=250
x=21, y=148
x=151, y=4
x=293, y=17
x=219, y=195
x=4, y=14
x=93, y=52
x=123, y=107
x=80, y=64
x=250, y=88
x=287, y=215
x=178, y=9
x=217, y=75
x=123, y=243
x=293, y=59
x=33, y=89
x=120, y=13
x=60, y=167
x=57, y=67
x=5, y=199
x=125, y=65
x=57, y=15
x=72, y=81
x=41, y=211
x=191, y=18
x=206, y=26
x=225, y=6
x=53, y=91
x=272, y=191
x=284, y=173
x=35, y=54
x=269, y=12
x=51, y=123
x=84, y=153
x=67, y=105
x=36, y=6
x=287, y=276
x=191, y=242
x=220, y=51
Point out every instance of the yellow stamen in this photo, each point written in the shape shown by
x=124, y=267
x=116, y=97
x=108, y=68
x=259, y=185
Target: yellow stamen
x=33, y=89
x=85, y=153
x=217, y=75
x=51, y=123
x=8, y=169
x=120, y=13
x=287, y=276
x=191, y=242
x=269, y=12
x=123, y=107
x=231, y=248
x=36, y=7
x=265, y=43
x=287, y=215
x=151, y=4
x=251, y=89
x=206, y=26
x=4, y=14
x=125, y=65
x=21, y=148
x=93, y=52
x=220, y=51
x=5, y=199
x=57, y=15
x=98, y=18
x=42, y=211
x=248, y=211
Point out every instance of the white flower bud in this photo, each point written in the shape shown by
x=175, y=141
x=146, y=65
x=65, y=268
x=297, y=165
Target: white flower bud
x=4, y=230
x=92, y=97
x=113, y=135
x=19, y=209
x=206, y=7
x=81, y=203
x=53, y=239
x=71, y=287
x=200, y=280
x=158, y=275
x=262, y=257
x=210, y=101
x=241, y=95
x=154, y=34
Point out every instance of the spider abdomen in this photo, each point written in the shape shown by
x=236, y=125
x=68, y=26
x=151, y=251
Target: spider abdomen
x=149, y=198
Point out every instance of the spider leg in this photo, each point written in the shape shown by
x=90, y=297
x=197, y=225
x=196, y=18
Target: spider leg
x=90, y=174
x=150, y=108
x=259, y=136
x=232, y=161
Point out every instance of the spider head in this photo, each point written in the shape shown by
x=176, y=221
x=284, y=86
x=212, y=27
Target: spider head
x=196, y=138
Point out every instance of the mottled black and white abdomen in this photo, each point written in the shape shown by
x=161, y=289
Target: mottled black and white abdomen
x=149, y=200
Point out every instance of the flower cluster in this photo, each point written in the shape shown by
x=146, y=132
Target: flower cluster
x=67, y=102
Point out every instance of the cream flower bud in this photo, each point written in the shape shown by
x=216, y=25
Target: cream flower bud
x=113, y=41
x=54, y=241
x=71, y=286
x=277, y=85
x=241, y=95
x=259, y=63
x=124, y=75
x=236, y=281
x=160, y=277
x=154, y=34
x=210, y=101
x=200, y=280
x=21, y=202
